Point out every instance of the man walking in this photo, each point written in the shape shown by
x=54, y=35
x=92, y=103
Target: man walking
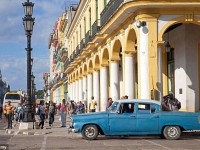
x=9, y=109
x=51, y=113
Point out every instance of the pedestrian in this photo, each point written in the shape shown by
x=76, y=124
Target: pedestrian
x=9, y=109
x=1, y=110
x=19, y=112
x=51, y=113
x=58, y=108
x=80, y=108
x=46, y=111
x=109, y=103
x=125, y=97
x=41, y=113
x=72, y=108
x=92, y=105
x=63, y=113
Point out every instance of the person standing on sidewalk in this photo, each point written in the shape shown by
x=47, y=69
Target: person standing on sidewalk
x=9, y=109
x=41, y=113
x=92, y=105
x=63, y=113
x=51, y=113
x=1, y=110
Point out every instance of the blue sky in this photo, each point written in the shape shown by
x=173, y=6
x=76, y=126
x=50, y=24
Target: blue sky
x=13, y=39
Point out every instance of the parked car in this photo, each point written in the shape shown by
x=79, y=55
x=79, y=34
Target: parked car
x=135, y=117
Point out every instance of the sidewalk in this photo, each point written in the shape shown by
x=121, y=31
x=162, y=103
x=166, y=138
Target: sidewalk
x=55, y=130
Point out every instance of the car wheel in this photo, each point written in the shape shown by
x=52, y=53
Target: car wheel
x=172, y=132
x=90, y=132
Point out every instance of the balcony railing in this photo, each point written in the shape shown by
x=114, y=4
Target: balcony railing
x=77, y=50
x=88, y=37
x=71, y=57
x=74, y=55
x=82, y=44
x=96, y=27
x=66, y=64
x=109, y=10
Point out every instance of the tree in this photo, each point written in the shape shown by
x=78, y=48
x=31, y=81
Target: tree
x=40, y=94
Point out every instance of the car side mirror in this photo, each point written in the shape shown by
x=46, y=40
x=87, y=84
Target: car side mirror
x=118, y=111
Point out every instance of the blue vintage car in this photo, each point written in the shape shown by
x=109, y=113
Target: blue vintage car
x=135, y=117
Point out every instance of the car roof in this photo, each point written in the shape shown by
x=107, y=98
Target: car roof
x=139, y=100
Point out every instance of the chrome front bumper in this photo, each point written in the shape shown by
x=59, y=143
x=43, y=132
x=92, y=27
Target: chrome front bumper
x=70, y=129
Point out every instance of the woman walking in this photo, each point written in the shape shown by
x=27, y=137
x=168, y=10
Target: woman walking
x=63, y=113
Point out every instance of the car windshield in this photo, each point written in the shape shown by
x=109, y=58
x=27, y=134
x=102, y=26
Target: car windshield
x=113, y=107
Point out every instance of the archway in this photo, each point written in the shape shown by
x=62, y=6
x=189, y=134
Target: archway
x=181, y=63
x=131, y=65
x=116, y=70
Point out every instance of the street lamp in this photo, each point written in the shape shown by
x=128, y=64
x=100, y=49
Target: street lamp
x=28, y=23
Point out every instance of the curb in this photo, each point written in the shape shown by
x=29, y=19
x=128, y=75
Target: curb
x=11, y=132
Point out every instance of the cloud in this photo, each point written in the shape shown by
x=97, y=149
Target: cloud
x=14, y=70
x=13, y=39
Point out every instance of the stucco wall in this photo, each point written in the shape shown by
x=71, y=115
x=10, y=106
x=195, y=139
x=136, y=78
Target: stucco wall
x=185, y=39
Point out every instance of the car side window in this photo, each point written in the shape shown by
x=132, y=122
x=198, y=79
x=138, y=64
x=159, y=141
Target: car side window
x=127, y=108
x=146, y=108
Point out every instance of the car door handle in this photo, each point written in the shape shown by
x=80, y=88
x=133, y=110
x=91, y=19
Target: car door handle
x=132, y=116
x=155, y=117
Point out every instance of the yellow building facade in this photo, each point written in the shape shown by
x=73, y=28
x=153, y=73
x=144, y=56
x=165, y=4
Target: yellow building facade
x=143, y=49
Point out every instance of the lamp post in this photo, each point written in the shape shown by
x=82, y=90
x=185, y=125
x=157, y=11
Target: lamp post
x=32, y=87
x=28, y=23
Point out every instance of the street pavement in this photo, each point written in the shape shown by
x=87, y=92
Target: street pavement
x=57, y=138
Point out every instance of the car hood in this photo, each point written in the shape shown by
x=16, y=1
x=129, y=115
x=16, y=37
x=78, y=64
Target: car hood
x=95, y=115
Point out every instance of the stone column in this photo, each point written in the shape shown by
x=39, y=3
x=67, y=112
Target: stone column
x=103, y=87
x=80, y=89
x=74, y=90
x=89, y=89
x=129, y=75
x=77, y=90
x=114, y=80
x=144, y=63
x=96, y=89
x=84, y=88
x=160, y=81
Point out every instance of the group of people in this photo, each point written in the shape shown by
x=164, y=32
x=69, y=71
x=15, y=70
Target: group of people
x=170, y=103
x=11, y=112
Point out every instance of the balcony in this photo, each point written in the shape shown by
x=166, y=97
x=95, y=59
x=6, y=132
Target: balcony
x=74, y=55
x=88, y=37
x=82, y=44
x=64, y=55
x=66, y=64
x=71, y=58
x=109, y=10
x=96, y=27
x=77, y=51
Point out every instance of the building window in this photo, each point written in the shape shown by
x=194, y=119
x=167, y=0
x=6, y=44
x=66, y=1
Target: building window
x=170, y=71
x=84, y=26
x=97, y=9
x=80, y=33
x=105, y=3
x=90, y=19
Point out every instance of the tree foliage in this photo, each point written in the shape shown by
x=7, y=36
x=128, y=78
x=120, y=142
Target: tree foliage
x=40, y=94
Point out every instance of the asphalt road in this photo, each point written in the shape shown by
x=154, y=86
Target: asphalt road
x=22, y=142
x=65, y=141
